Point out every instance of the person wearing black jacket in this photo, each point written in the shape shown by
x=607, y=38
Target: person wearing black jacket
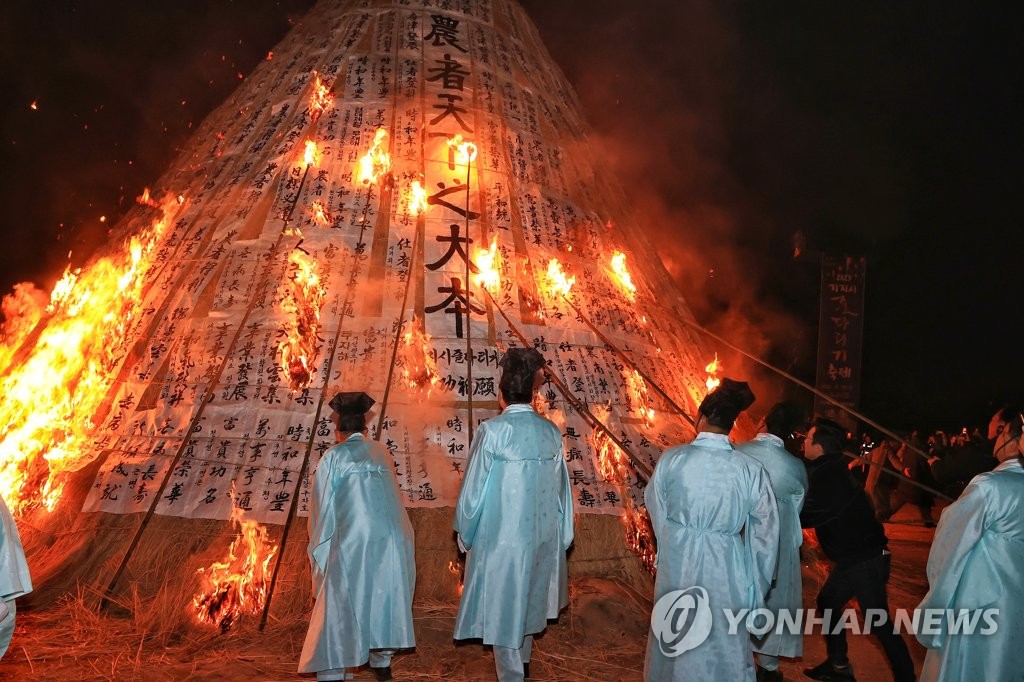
x=844, y=521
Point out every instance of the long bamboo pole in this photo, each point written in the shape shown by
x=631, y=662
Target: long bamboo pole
x=625, y=358
x=641, y=468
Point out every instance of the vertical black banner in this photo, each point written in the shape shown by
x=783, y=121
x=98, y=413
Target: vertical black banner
x=840, y=332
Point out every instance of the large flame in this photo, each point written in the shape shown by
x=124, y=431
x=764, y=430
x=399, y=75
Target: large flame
x=417, y=198
x=465, y=152
x=51, y=394
x=320, y=99
x=376, y=162
x=418, y=367
x=489, y=263
x=713, y=368
x=302, y=300
x=237, y=585
x=622, y=275
x=558, y=283
x=638, y=392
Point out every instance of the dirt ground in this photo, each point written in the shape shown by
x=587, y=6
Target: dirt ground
x=600, y=637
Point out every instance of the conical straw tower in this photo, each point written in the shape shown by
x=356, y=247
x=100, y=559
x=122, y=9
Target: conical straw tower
x=404, y=190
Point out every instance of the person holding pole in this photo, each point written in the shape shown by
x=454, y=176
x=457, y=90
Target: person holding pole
x=717, y=523
x=514, y=519
x=844, y=522
x=361, y=554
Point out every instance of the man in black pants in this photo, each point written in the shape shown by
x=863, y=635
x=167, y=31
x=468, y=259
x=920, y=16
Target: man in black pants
x=850, y=536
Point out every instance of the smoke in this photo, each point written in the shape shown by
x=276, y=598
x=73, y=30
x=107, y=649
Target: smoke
x=118, y=88
x=659, y=84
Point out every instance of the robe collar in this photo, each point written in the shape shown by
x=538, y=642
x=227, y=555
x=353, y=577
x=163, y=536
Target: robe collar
x=518, y=407
x=1012, y=463
x=357, y=434
x=717, y=441
x=770, y=438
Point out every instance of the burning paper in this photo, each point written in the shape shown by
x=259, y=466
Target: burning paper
x=638, y=392
x=302, y=300
x=558, y=284
x=418, y=367
x=320, y=99
x=622, y=275
x=311, y=157
x=319, y=213
x=489, y=263
x=52, y=393
x=417, y=198
x=237, y=585
x=465, y=152
x=612, y=462
x=713, y=368
x=376, y=162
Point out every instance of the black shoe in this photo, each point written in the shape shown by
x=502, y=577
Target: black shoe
x=765, y=675
x=829, y=673
x=526, y=670
x=383, y=674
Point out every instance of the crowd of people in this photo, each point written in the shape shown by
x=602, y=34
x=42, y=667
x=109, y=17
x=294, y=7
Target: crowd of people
x=729, y=522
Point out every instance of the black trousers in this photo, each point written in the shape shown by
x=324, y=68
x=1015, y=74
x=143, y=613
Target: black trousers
x=866, y=581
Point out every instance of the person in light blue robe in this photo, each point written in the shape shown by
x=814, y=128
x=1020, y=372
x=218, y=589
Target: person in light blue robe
x=977, y=563
x=788, y=478
x=717, y=523
x=361, y=554
x=514, y=518
x=14, y=577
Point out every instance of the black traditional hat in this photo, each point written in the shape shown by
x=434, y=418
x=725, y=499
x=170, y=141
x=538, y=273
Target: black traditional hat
x=355, y=402
x=519, y=366
x=724, y=404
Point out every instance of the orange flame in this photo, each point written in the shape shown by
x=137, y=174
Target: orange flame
x=465, y=152
x=612, y=462
x=418, y=366
x=638, y=391
x=319, y=213
x=311, y=157
x=237, y=585
x=489, y=262
x=375, y=162
x=456, y=568
x=713, y=368
x=557, y=282
x=321, y=97
x=302, y=300
x=145, y=199
x=417, y=198
x=640, y=535
x=52, y=392
x=622, y=275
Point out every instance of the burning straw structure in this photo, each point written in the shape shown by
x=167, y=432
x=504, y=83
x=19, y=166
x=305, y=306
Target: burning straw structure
x=401, y=193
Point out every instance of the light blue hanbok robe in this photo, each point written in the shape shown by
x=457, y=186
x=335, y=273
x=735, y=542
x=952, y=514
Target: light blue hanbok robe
x=788, y=477
x=14, y=578
x=977, y=562
x=515, y=516
x=717, y=524
x=361, y=557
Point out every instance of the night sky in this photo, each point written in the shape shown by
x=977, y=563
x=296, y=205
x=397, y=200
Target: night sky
x=740, y=130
